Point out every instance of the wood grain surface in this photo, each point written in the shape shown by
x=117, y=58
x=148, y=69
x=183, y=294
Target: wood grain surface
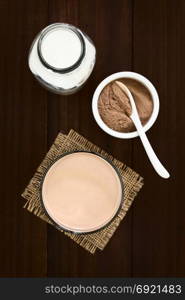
x=145, y=36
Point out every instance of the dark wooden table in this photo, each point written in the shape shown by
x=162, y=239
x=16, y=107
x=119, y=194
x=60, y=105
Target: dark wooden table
x=145, y=36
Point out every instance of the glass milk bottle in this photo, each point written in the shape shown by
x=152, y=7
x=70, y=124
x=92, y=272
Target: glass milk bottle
x=62, y=58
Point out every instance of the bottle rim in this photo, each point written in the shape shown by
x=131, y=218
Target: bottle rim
x=52, y=27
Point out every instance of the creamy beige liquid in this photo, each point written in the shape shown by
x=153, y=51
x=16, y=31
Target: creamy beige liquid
x=81, y=192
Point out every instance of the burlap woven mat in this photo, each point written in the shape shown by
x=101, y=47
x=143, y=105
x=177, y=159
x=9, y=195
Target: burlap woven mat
x=74, y=141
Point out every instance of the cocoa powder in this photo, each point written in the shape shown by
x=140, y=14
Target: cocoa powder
x=115, y=109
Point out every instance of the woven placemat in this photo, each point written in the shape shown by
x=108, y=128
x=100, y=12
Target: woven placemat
x=74, y=141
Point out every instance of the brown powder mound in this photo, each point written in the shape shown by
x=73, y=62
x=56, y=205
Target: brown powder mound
x=115, y=109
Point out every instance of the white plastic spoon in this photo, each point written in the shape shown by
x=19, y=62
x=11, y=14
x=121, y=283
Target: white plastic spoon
x=159, y=168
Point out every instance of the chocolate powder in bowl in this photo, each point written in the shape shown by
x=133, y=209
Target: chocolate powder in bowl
x=115, y=109
x=82, y=192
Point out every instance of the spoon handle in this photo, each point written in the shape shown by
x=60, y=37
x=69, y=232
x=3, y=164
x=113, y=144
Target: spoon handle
x=159, y=168
x=148, y=148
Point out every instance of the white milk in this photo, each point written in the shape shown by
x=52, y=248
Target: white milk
x=61, y=48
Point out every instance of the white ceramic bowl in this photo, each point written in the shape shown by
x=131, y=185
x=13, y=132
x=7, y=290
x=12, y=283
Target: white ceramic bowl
x=146, y=83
